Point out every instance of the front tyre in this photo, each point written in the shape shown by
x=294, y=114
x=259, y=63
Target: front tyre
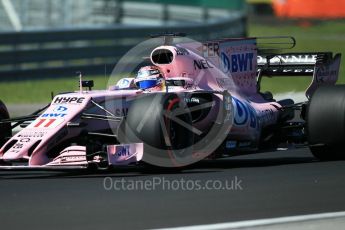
x=163, y=123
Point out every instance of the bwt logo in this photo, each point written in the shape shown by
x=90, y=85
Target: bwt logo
x=244, y=114
x=237, y=62
x=53, y=115
x=60, y=109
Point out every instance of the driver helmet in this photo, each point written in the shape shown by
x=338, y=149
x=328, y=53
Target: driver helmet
x=149, y=77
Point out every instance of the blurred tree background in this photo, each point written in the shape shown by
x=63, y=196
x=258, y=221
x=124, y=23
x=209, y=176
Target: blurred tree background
x=314, y=31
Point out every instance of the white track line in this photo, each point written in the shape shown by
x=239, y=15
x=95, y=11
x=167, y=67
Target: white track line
x=261, y=222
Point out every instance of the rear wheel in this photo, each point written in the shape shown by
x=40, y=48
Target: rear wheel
x=326, y=123
x=5, y=129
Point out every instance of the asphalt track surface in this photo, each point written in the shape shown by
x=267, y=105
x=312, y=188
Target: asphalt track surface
x=273, y=184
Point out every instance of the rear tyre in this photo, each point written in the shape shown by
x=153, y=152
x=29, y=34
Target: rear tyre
x=5, y=129
x=326, y=123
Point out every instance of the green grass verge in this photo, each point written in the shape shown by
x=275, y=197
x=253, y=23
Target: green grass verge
x=39, y=91
x=322, y=36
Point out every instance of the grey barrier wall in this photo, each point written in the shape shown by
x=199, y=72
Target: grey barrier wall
x=35, y=54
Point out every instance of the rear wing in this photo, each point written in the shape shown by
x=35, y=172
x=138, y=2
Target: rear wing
x=322, y=66
x=246, y=60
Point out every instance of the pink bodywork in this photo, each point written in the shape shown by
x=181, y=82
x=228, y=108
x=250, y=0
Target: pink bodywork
x=216, y=74
x=50, y=129
x=208, y=66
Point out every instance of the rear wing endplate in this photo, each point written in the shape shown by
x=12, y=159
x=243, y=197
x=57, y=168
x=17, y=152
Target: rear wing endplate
x=322, y=66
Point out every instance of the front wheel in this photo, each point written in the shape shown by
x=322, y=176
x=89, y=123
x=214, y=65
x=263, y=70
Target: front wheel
x=163, y=123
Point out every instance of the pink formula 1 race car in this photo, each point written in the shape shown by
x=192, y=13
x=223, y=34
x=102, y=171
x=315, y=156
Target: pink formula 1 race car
x=193, y=101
